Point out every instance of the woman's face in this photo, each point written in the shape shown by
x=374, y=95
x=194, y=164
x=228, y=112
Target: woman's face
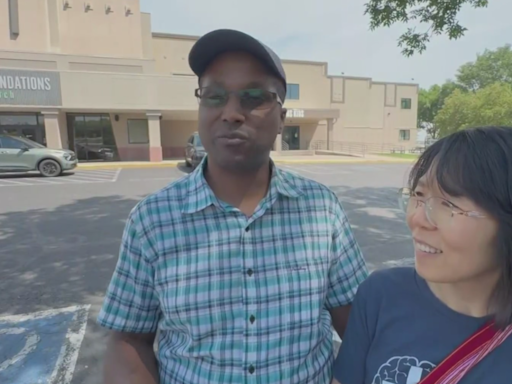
x=450, y=247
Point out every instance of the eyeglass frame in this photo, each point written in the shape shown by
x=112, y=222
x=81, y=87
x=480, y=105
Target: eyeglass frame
x=274, y=95
x=425, y=202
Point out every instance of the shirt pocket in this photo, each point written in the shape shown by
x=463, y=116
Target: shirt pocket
x=303, y=287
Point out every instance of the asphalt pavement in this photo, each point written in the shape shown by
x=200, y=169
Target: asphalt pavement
x=59, y=240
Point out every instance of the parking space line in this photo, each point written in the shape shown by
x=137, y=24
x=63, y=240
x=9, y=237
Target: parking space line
x=96, y=172
x=116, y=176
x=87, y=178
x=154, y=178
x=45, y=181
x=13, y=182
x=52, y=341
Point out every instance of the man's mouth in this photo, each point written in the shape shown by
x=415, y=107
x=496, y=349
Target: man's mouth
x=234, y=139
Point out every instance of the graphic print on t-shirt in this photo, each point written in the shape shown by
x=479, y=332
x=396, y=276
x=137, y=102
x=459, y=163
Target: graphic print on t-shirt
x=403, y=370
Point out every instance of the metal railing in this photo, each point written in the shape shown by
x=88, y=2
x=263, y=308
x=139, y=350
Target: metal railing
x=356, y=149
x=360, y=149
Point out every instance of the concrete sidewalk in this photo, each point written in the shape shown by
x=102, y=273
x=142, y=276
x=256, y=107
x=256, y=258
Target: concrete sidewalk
x=317, y=159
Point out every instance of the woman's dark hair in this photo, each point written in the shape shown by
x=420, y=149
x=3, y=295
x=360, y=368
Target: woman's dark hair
x=476, y=163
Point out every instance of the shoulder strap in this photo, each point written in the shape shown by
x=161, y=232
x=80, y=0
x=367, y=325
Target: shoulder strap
x=467, y=355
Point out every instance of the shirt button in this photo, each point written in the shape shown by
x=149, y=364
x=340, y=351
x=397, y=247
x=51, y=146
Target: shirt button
x=252, y=319
x=250, y=272
x=251, y=369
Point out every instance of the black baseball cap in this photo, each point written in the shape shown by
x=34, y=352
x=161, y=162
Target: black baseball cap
x=214, y=43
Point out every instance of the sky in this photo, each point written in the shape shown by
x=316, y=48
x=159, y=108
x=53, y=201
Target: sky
x=337, y=32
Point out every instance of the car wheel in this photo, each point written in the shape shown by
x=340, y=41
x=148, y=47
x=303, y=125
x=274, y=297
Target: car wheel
x=50, y=168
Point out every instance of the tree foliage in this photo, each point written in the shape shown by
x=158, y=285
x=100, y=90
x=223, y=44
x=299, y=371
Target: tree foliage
x=491, y=105
x=430, y=102
x=439, y=16
x=490, y=67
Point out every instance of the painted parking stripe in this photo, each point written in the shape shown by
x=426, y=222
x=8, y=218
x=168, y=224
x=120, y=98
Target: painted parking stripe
x=86, y=177
x=12, y=182
x=42, y=347
x=108, y=174
x=169, y=179
x=80, y=177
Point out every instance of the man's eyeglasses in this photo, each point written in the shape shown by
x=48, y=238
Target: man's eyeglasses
x=439, y=211
x=250, y=99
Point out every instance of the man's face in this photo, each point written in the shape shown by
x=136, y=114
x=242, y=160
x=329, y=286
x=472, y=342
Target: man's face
x=239, y=113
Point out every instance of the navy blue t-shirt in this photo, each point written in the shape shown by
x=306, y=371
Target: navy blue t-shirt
x=399, y=331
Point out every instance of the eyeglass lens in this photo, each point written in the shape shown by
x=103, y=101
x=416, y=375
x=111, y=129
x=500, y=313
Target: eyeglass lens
x=249, y=99
x=437, y=210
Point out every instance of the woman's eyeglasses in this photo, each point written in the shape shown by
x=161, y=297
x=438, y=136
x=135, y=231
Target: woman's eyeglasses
x=250, y=99
x=439, y=211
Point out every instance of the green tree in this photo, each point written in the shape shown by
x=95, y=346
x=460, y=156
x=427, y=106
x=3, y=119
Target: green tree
x=488, y=68
x=439, y=15
x=491, y=105
x=430, y=102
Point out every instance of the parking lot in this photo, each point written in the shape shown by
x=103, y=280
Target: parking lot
x=59, y=240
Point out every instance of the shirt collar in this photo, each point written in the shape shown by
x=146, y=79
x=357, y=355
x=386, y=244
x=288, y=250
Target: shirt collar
x=199, y=194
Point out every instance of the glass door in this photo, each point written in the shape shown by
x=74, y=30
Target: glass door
x=291, y=138
x=92, y=138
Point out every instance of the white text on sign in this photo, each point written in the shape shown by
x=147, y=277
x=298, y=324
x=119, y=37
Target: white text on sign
x=295, y=113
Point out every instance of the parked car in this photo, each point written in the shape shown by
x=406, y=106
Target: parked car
x=19, y=154
x=194, y=152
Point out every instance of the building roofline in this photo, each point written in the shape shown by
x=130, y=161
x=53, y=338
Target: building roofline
x=290, y=61
x=309, y=62
x=175, y=36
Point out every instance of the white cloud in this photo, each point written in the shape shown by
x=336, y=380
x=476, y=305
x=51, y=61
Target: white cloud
x=338, y=32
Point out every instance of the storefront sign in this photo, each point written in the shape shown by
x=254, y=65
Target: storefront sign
x=19, y=87
x=295, y=113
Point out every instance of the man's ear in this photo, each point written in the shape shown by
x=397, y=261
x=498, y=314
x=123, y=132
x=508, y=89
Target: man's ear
x=283, y=119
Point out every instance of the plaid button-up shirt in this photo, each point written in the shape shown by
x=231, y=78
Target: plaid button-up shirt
x=236, y=299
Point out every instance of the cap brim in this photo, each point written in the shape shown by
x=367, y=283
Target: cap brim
x=209, y=46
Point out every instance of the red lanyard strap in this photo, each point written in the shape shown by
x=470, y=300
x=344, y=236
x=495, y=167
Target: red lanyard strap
x=467, y=355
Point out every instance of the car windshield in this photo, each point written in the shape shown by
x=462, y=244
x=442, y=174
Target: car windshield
x=31, y=143
x=198, y=142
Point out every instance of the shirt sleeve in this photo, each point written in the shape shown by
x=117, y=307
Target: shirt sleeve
x=131, y=303
x=348, y=267
x=350, y=364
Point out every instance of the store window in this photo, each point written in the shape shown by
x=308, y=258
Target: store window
x=405, y=135
x=138, y=131
x=406, y=103
x=26, y=125
x=292, y=91
x=91, y=137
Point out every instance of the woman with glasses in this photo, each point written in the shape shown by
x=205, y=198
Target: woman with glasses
x=448, y=319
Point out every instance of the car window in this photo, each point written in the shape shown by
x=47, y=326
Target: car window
x=12, y=143
x=31, y=143
x=191, y=140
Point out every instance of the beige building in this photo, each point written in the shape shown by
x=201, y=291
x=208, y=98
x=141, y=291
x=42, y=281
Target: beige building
x=90, y=75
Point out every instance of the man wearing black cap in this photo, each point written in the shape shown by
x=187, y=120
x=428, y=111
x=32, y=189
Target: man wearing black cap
x=239, y=266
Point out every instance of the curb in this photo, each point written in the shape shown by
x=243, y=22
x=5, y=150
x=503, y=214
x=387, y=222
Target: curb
x=174, y=164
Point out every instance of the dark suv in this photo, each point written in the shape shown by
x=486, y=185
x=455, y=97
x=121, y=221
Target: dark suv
x=194, y=152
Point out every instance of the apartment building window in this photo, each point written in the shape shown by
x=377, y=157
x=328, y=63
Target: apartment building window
x=406, y=103
x=138, y=131
x=405, y=135
x=292, y=91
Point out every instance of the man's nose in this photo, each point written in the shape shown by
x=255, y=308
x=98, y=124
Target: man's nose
x=232, y=111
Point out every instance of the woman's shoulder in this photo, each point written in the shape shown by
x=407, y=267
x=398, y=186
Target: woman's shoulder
x=389, y=281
